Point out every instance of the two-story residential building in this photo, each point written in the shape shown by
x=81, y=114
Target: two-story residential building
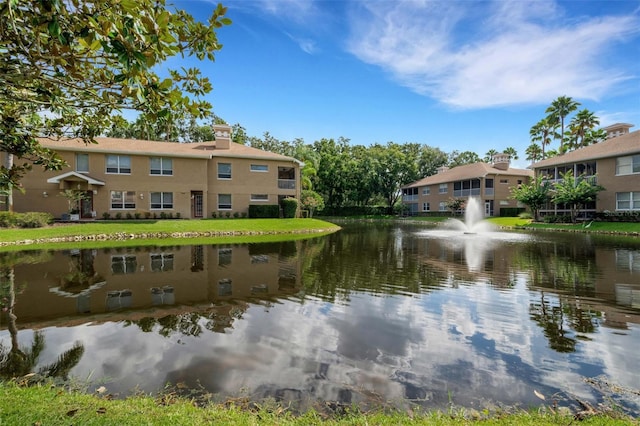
x=149, y=178
x=491, y=183
x=614, y=164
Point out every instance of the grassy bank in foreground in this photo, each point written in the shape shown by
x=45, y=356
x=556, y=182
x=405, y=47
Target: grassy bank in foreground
x=161, y=229
x=49, y=405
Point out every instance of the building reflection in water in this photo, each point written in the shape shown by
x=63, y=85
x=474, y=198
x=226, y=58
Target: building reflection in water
x=130, y=283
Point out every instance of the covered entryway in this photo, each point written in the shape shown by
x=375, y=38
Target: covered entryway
x=81, y=183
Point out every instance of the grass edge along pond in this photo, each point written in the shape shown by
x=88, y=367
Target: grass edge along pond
x=158, y=232
x=46, y=404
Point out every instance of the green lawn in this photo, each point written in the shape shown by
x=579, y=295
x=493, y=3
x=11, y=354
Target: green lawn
x=47, y=405
x=104, y=233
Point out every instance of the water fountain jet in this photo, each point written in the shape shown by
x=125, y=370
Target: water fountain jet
x=473, y=219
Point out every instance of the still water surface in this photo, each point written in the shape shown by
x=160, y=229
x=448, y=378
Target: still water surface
x=375, y=314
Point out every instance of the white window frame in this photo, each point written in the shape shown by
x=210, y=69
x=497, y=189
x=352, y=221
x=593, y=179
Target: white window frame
x=426, y=190
x=260, y=168
x=164, y=168
x=443, y=188
x=442, y=206
x=164, y=203
x=128, y=262
x=222, y=175
x=426, y=207
x=631, y=162
x=260, y=198
x=125, y=199
x=225, y=206
x=632, y=200
x=79, y=163
x=119, y=164
x=161, y=262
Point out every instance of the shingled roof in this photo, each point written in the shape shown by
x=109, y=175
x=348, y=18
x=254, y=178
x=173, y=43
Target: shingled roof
x=621, y=145
x=468, y=171
x=203, y=150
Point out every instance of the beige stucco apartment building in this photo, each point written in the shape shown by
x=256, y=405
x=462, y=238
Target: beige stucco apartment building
x=491, y=183
x=122, y=177
x=613, y=164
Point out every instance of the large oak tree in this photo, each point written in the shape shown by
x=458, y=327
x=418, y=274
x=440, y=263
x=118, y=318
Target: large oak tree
x=67, y=65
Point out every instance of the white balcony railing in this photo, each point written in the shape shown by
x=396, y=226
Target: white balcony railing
x=286, y=183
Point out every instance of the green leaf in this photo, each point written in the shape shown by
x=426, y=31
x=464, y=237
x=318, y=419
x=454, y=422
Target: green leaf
x=54, y=28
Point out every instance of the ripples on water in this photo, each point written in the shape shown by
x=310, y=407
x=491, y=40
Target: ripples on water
x=375, y=315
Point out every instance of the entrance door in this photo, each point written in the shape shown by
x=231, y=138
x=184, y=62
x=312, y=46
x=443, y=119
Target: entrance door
x=487, y=208
x=196, y=204
x=86, y=205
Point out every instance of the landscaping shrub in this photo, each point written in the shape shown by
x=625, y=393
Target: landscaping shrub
x=34, y=219
x=289, y=208
x=621, y=216
x=106, y=216
x=557, y=218
x=262, y=211
x=214, y=215
x=511, y=211
x=25, y=220
x=8, y=219
x=118, y=215
x=525, y=215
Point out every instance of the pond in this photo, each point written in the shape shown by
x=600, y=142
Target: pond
x=379, y=314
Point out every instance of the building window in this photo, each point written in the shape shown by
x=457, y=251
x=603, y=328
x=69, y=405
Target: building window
x=224, y=170
x=82, y=163
x=123, y=199
x=627, y=200
x=161, y=166
x=161, y=262
x=162, y=200
x=628, y=165
x=443, y=188
x=225, y=287
x=259, y=197
x=224, y=256
x=119, y=164
x=426, y=207
x=259, y=168
x=504, y=181
x=426, y=190
x=125, y=264
x=443, y=206
x=224, y=201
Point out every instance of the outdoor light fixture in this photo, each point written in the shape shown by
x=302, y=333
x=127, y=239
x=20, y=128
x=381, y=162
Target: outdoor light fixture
x=44, y=194
x=141, y=196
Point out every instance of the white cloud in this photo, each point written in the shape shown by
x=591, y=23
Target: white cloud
x=477, y=55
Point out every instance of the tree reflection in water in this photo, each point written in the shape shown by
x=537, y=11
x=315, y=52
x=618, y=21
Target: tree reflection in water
x=18, y=361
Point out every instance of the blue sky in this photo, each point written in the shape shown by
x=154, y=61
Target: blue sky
x=458, y=74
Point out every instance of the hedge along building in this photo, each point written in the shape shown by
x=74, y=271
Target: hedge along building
x=491, y=183
x=154, y=179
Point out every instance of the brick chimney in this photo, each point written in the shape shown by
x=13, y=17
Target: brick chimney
x=223, y=135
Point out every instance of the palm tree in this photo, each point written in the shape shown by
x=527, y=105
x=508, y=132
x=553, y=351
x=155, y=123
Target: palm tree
x=513, y=154
x=581, y=123
x=542, y=132
x=17, y=361
x=534, y=153
x=559, y=110
x=488, y=157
